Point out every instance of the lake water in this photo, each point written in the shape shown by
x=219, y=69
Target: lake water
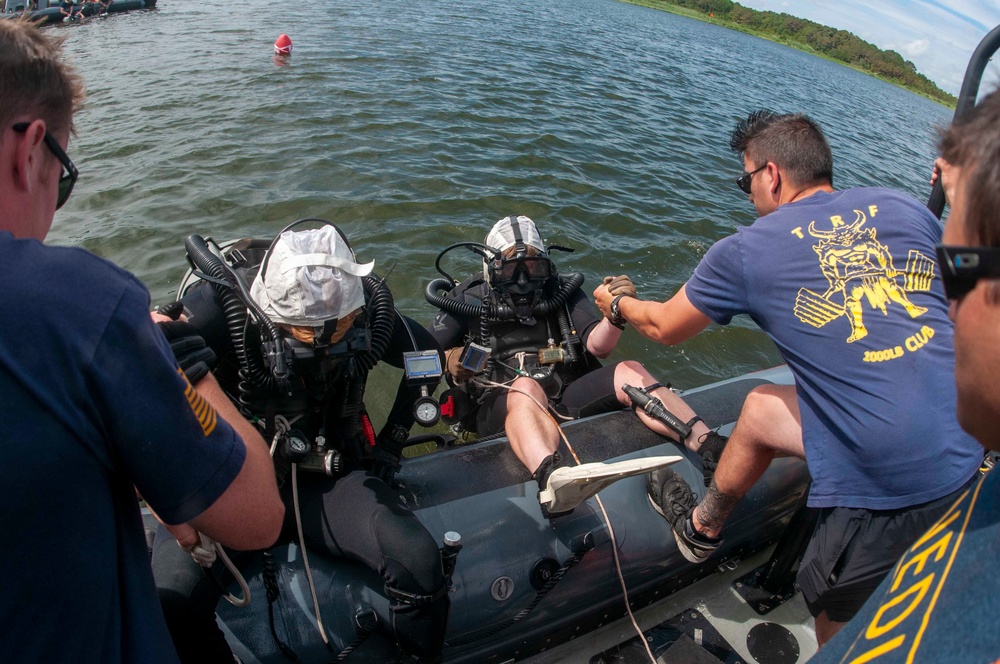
x=417, y=124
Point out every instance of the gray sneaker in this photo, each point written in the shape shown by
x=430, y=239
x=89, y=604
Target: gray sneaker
x=694, y=546
x=672, y=498
x=669, y=495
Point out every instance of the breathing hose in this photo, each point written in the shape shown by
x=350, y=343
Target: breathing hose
x=569, y=284
x=234, y=307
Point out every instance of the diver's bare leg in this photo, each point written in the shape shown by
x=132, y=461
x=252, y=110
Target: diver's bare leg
x=532, y=434
x=632, y=373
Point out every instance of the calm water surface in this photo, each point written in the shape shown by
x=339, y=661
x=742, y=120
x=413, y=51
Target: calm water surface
x=417, y=124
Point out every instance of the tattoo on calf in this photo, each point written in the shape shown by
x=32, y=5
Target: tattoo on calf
x=716, y=508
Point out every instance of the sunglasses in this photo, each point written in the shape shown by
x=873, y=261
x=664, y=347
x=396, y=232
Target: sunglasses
x=743, y=181
x=963, y=267
x=536, y=267
x=68, y=179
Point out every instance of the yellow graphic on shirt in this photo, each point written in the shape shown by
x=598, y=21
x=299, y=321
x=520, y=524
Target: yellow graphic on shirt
x=908, y=604
x=202, y=410
x=859, y=268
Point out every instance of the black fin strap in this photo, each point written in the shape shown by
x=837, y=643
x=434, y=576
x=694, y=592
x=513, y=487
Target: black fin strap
x=693, y=420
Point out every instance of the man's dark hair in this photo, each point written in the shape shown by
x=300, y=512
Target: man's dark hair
x=792, y=141
x=972, y=143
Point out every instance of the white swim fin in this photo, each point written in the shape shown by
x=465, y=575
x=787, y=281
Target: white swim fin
x=568, y=486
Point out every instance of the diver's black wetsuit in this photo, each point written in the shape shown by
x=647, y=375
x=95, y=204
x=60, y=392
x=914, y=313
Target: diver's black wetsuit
x=575, y=388
x=356, y=516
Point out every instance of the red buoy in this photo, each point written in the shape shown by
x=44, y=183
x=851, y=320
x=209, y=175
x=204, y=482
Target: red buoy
x=283, y=45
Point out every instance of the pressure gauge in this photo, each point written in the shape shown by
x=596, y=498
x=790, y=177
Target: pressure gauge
x=426, y=411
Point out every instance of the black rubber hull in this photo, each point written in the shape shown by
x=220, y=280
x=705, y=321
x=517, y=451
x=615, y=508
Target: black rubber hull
x=482, y=492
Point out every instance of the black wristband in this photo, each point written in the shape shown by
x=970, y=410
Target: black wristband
x=616, y=317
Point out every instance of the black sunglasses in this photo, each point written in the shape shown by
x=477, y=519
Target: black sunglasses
x=68, y=179
x=743, y=181
x=963, y=267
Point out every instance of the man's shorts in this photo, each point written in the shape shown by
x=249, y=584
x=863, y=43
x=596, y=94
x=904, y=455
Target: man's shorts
x=853, y=549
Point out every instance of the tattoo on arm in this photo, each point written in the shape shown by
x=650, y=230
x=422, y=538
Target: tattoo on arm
x=716, y=508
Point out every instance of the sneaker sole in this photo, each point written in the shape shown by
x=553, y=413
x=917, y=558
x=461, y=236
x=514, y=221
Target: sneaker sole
x=689, y=554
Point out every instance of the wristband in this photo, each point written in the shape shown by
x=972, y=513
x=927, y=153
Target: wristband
x=616, y=318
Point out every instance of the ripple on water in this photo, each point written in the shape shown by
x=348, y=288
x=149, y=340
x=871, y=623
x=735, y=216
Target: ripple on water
x=417, y=124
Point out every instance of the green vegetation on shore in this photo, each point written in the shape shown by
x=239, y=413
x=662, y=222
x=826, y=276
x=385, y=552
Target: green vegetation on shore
x=838, y=45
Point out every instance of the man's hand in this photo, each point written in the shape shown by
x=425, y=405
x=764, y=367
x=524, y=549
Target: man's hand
x=193, y=356
x=453, y=364
x=620, y=285
x=949, y=177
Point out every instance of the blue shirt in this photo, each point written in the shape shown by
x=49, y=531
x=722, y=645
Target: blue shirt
x=93, y=406
x=845, y=284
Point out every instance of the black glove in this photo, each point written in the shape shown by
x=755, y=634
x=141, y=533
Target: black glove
x=388, y=451
x=193, y=356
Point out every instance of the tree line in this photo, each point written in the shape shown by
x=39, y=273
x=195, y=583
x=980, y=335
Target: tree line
x=835, y=44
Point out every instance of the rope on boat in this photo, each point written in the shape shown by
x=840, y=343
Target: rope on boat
x=572, y=560
x=305, y=555
x=364, y=629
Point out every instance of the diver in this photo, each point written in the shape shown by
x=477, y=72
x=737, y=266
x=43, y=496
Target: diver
x=523, y=336
x=294, y=351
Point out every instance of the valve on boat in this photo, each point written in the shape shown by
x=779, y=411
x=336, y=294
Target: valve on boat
x=449, y=554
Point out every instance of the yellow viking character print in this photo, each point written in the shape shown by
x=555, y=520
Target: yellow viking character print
x=859, y=268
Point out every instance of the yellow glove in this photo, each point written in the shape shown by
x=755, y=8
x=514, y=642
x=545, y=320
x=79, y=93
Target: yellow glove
x=453, y=363
x=620, y=285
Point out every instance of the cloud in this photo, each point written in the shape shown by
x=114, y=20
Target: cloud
x=938, y=36
x=915, y=48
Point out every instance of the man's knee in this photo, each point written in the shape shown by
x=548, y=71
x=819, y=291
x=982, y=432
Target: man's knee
x=523, y=391
x=770, y=418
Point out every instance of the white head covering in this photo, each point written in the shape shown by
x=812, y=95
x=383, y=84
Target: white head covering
x=501, y=237
x=312, y=277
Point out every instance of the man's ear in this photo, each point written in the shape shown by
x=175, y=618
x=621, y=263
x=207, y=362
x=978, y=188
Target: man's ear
x=775, y=174
x=28, y=155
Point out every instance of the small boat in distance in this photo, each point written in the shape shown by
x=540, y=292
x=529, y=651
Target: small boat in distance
x=48, y=11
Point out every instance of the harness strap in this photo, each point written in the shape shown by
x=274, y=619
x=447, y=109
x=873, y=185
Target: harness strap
x=413, y=599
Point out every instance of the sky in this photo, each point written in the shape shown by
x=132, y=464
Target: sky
x=937, y=36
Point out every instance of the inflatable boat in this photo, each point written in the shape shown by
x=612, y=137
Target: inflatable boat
x=47, y=11
x=520, y=584
x=523, y=584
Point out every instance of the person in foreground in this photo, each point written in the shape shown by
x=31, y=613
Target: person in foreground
x=97, y=409
x=844, y=283
x=335, y=321
x=933, y=605
x=519, y=283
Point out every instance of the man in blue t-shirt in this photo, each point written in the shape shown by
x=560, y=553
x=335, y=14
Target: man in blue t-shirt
x=935, y=606
x=844, y=282
x=96, y=409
